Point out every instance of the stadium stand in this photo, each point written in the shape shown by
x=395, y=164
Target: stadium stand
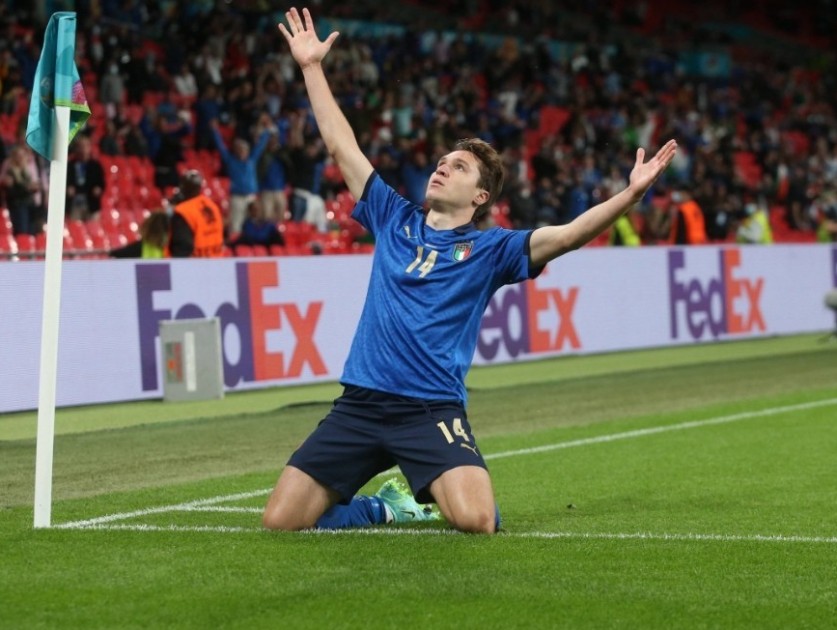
x=564, y=90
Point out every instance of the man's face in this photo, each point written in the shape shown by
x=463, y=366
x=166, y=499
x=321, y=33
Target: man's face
x=455, y=181
x=85, y=149
x=241, y=149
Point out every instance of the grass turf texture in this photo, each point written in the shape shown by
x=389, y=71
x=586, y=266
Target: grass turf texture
x=712, y=489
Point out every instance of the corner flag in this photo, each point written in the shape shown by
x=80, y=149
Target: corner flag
x=57, y=83
x=57, y=110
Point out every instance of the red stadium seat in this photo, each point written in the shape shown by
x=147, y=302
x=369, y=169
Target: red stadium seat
x=243, y=251
x=296, y=232
x=70, y=245
x=332, y=173
x=77, y=230
x=500, y=214
x=8, y=246
x=363, y=248
x=5, y=222
x=747, y=168
x=346, y=201
x=129, y=226
x=117, y=240
x=109, y=215
x=297, y=250
x=26, y=246
x=335, y=246
x=100, y=243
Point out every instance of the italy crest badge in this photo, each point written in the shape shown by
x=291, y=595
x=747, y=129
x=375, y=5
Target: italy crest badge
x=461, y=251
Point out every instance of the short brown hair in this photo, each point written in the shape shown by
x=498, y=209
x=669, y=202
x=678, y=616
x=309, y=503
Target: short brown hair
x=491, y=171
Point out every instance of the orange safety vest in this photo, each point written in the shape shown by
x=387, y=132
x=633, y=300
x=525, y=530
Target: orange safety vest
x=695, y=226
x=204, y=218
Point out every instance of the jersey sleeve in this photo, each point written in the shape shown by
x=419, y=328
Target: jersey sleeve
x=512, y=256
x=379, y=205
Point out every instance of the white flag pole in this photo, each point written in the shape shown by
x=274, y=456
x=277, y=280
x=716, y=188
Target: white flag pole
x=49, y=323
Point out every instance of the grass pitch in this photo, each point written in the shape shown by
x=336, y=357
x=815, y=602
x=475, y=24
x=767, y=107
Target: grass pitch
x=689, y=487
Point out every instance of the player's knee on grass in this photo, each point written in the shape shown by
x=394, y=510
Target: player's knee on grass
x=476, y=522
x=276, y=520
x=466, y=499
x=284, y=513
x=472, y=518
x=296, y=502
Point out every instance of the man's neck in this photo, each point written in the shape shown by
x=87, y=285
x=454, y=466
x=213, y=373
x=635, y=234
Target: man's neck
x=449, y=220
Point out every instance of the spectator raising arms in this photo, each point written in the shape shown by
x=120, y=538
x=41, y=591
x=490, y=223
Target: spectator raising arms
x=242, y=169
x=273, y=169
x=308, y=157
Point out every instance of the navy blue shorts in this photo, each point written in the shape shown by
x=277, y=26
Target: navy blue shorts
x=367, y=432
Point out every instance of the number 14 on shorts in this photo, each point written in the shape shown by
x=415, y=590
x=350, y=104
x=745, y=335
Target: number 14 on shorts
x=456, y=428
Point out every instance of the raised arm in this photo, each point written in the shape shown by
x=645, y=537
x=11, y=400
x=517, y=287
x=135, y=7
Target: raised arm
x=219, y=141
x=551, y=241
x=309, y=52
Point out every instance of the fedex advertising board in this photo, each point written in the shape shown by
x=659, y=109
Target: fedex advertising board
x=283, y=320
x=290, y=320
x=834, y=266
x=714, y=300
x=267, y=333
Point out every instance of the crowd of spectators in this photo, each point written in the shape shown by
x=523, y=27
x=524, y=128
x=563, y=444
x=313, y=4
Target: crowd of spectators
x=759, y=132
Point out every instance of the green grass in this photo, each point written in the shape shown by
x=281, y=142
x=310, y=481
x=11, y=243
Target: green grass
x=710, y=525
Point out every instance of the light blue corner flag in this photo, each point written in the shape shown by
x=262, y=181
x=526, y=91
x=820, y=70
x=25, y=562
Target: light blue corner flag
x=57, y=83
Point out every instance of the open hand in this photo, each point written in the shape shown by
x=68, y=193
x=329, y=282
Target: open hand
x=646, y=173
x=306, y=47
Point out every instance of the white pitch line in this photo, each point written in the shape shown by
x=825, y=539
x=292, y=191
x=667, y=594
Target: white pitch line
x=222, y=508
x=593, y=535
x=217, y=529
x=692, y=424
x=397, y=531
x=161, y=509
x=599, y=439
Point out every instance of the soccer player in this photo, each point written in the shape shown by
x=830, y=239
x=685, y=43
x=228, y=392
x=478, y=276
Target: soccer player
x=432, y=276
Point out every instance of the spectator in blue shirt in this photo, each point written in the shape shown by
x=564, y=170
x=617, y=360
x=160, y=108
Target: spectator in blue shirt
x=414, y=174
x=208, y=108
x=274, y=166
x=241, y=164
x=258, y=229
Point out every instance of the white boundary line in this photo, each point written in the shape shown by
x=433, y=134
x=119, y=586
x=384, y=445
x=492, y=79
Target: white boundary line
x=692, y=424
x=224, y=508
x=398, y=531
x=203, y=504
x=179, y=507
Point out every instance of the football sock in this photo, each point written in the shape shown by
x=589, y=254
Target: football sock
x=363, y=511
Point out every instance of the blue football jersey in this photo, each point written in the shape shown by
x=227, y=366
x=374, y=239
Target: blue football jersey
x=427, y=294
